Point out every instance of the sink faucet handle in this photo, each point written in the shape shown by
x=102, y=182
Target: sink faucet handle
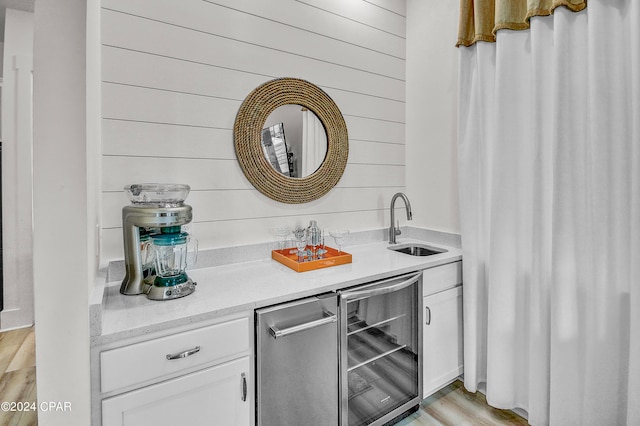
x=397, y=228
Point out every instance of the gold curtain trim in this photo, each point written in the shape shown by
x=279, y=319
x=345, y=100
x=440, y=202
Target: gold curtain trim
x=480, y=20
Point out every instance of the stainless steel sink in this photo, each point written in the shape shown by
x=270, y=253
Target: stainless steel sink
x=416, y=249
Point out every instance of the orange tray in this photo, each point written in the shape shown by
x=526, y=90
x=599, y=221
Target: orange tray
x=331, y=258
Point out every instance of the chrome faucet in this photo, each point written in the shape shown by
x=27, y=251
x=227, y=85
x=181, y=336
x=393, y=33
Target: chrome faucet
x=395, y=230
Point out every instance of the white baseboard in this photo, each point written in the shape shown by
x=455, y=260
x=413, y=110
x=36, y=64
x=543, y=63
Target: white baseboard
x=13, y=319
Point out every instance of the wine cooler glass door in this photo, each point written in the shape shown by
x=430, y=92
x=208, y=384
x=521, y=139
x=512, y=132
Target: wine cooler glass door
x=381, y=353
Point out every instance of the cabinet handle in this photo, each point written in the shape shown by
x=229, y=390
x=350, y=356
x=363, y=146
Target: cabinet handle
x=184, y=354
x=428, y=315
x=382, y=288
x=243, y=383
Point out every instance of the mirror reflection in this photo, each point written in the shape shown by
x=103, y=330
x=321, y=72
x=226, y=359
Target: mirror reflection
x=294, y=141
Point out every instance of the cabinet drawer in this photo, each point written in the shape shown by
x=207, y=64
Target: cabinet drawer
x=143, y=362
x=441, y=278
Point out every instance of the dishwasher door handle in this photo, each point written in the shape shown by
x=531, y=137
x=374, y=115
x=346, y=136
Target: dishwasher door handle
x=278, y=333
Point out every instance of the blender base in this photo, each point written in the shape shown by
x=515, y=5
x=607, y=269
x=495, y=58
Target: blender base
x=155, y=292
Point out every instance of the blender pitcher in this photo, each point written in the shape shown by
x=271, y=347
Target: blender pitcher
x=171, y=253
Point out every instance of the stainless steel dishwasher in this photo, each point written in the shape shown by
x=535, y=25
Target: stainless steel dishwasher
x=297, y=363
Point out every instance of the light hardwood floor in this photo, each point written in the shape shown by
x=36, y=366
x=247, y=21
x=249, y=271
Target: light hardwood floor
x=454, y=406
x=451, y=406
x=18, y=375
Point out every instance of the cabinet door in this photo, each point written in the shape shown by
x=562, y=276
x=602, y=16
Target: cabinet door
x=442, y=344
x=214, y=396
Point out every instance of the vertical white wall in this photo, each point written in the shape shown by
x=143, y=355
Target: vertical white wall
x=1, y=68
x=431, y=130
x=1, y=54
x=94, y=135
x=63, y=243
x=175, y=74
x=17, y=171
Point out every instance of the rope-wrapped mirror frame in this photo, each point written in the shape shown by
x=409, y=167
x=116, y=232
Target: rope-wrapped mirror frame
x=247, y=134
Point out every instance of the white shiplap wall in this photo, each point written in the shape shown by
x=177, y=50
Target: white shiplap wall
x=175, y=73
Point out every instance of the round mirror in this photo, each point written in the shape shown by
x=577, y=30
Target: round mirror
x=264, y=141
x=294, y=141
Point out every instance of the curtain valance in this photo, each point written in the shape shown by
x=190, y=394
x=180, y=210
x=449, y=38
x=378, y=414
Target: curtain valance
x=481, y=19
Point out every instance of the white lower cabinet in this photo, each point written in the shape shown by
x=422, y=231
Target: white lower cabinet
x=442, y=344
x=195, y=376
x=216, y=395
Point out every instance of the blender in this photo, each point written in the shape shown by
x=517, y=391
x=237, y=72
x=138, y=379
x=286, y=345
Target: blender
x=153, y=208
x=170, y=251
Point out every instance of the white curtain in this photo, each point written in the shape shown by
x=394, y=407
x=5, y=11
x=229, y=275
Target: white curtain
x=314, y=143
x=549, y=160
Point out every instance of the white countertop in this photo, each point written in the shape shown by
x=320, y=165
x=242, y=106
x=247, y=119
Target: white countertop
x=239, y=287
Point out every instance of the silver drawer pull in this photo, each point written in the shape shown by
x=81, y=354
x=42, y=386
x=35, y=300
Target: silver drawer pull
x=428, y=315
x=184, y=354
